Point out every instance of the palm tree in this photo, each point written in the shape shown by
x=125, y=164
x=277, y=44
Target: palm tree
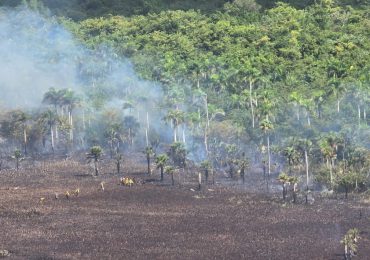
x=266, y=126
x=178, y=154
x=294, y=180
x=176, y=117
x=95, y=154
x=118, y=159
x=231, y=151
x=18, y=157
x=305, y=146
x=206, y=166
x=292, y=155
x=284, y=179
x=161, y=161
x=328, y=147
x=50, y=119
x=170, y=170
x=70, y=100
x=51, y=97
x=350, y=241
x=149, y=152
x=243, y=164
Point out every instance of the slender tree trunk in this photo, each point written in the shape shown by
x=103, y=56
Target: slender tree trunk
x=338, y=105
x=162, y=173
x=118, y=167
x=213, y=176
x=25, y=140
x=172, y=179
x=199, y=181
x=364, y=113
x=175, y=133
x=308, y=119
x=359, y=114
x=298, y=114
x=251, y=101
x=52, y=138
x=56, y=133
x=147, y=129
x=306, y=162
x=207, y=126
x=96, y=167
x=146, y=137
x=183, y=135
x=268, y=155
x=83, y=119
x=148, y=161
x=331, y=175
x=71, y=125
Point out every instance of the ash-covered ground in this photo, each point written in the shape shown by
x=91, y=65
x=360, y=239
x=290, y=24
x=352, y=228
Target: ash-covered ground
x=155, y=220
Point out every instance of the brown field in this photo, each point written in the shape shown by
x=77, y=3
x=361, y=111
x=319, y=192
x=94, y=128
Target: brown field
x=159, y=221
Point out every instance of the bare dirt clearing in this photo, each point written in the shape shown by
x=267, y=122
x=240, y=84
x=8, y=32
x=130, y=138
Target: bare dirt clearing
x=160, y=221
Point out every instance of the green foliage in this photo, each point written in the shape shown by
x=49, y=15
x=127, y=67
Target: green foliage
x=17, y=154
x=95, y=153
x=349, y=242
x=295, y=74
x=178, y=154
x=161, y=160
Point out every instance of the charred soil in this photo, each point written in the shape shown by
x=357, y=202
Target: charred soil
x=156, y=220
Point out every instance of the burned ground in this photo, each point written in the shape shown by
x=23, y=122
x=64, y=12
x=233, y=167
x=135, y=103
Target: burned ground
x=159, y=221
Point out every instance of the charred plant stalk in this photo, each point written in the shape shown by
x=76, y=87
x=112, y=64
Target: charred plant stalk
x=162, y=170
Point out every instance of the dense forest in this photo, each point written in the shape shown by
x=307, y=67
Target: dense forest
x=225, y=84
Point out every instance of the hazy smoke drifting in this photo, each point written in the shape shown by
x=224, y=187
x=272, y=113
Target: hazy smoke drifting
x=35, y=54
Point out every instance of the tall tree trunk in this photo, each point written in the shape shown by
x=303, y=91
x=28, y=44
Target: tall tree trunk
x=308, y=119
x=338, y=105
x=306, y=162
x=148, y=161
x=83, y=119
x=52, y=138
x=175, y=133
x=146, y=137
x=118, y=167
x=56, y=133
x=162, y=173
x=359, y=114
x=251, y=101
x=25, y=140
x=332, y=165
x=199, y=181
x=183, y=135
x=71, y=125
x=268, y=155
x=297, y=111
x=207, y=126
